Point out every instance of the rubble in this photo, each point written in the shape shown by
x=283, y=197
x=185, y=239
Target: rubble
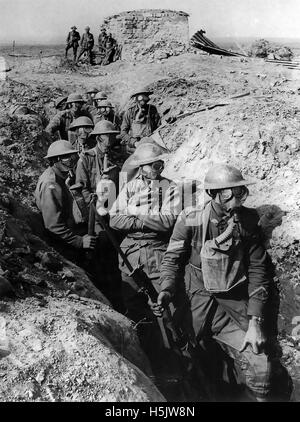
x=265, y=49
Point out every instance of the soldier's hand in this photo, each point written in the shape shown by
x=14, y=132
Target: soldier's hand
x=163, y=300
x=89, y=242
x=254, y=337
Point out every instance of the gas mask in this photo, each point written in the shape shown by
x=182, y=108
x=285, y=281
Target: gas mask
x=105, y=111
x=142, y=100
x=75, y=108
x=232, y=198
x=67, y=163
x=83, y=134
x=152, y=171
x=105, y=142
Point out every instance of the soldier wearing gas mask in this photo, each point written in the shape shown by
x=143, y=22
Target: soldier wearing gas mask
x=218, y=250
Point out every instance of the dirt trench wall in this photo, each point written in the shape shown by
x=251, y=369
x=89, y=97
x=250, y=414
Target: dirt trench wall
x=144, y=31
x=59, y=338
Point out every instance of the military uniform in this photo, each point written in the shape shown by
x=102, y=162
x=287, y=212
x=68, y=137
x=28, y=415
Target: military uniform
x=102, y=41
x=61, y=122
x=110, y=48
x=112, y=117
x=73, y=42
x=223, y=316
x=132, y=131
x=145, y=212
x=55, y=203
x=86, y=45
x=89, y=172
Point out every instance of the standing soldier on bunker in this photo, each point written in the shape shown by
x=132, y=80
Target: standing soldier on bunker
x=219, y=248
x=102, y=40
x=86, y=44
x=140, y=120
x=73, y=42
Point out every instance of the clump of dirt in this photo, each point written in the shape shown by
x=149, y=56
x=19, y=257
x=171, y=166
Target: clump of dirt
x=158, y=50
x=263, y=49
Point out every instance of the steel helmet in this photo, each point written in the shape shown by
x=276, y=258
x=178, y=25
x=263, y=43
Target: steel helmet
x=60, y=100
x=82, y=121
x=147, y=153
x=73, y=27
x=141, y=91
x=105, y=103
x=223, y=176
x=60, y=147
x=100, y=96
x=92, y=91
x=104, y=128
x=75, y=98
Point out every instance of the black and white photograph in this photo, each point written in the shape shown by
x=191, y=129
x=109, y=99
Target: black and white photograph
x=149, y=204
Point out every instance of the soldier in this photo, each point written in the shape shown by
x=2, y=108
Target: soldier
x=226, y=275
x=55, y=203
x=91, y=93
x=82, y=126
x=73, y=41
x=94, y=166
x=61, y=121
x=140, y=120
x=145, y=213
x=110, y=49
x=61, y=103
x=102, y=40
x=100, y=96
x=91, y=165
x=86, y=44
x=105, y=111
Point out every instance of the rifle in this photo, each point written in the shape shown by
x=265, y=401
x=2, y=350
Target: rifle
x=76, y=193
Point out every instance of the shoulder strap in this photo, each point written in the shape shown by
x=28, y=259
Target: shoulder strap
x=98, y=169
x=205, y=221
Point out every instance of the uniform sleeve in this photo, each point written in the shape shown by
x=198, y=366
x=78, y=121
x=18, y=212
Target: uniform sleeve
x=164, y=220
x=68, y=38
x=51, y=207
x=177, y=254
x=119, y=218
x=258, y=277
x=125, y=127
x=54, y=124
x=82, y=177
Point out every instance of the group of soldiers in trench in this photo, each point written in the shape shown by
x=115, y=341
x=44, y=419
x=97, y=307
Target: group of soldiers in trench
x=109, y=50
x=206, y=262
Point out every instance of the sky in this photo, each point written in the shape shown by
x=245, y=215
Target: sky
x=48, y=21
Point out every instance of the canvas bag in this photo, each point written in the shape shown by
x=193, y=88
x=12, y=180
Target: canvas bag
x=222, y=268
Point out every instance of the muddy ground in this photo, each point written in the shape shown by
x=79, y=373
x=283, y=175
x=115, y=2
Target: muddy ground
x=52, y=337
